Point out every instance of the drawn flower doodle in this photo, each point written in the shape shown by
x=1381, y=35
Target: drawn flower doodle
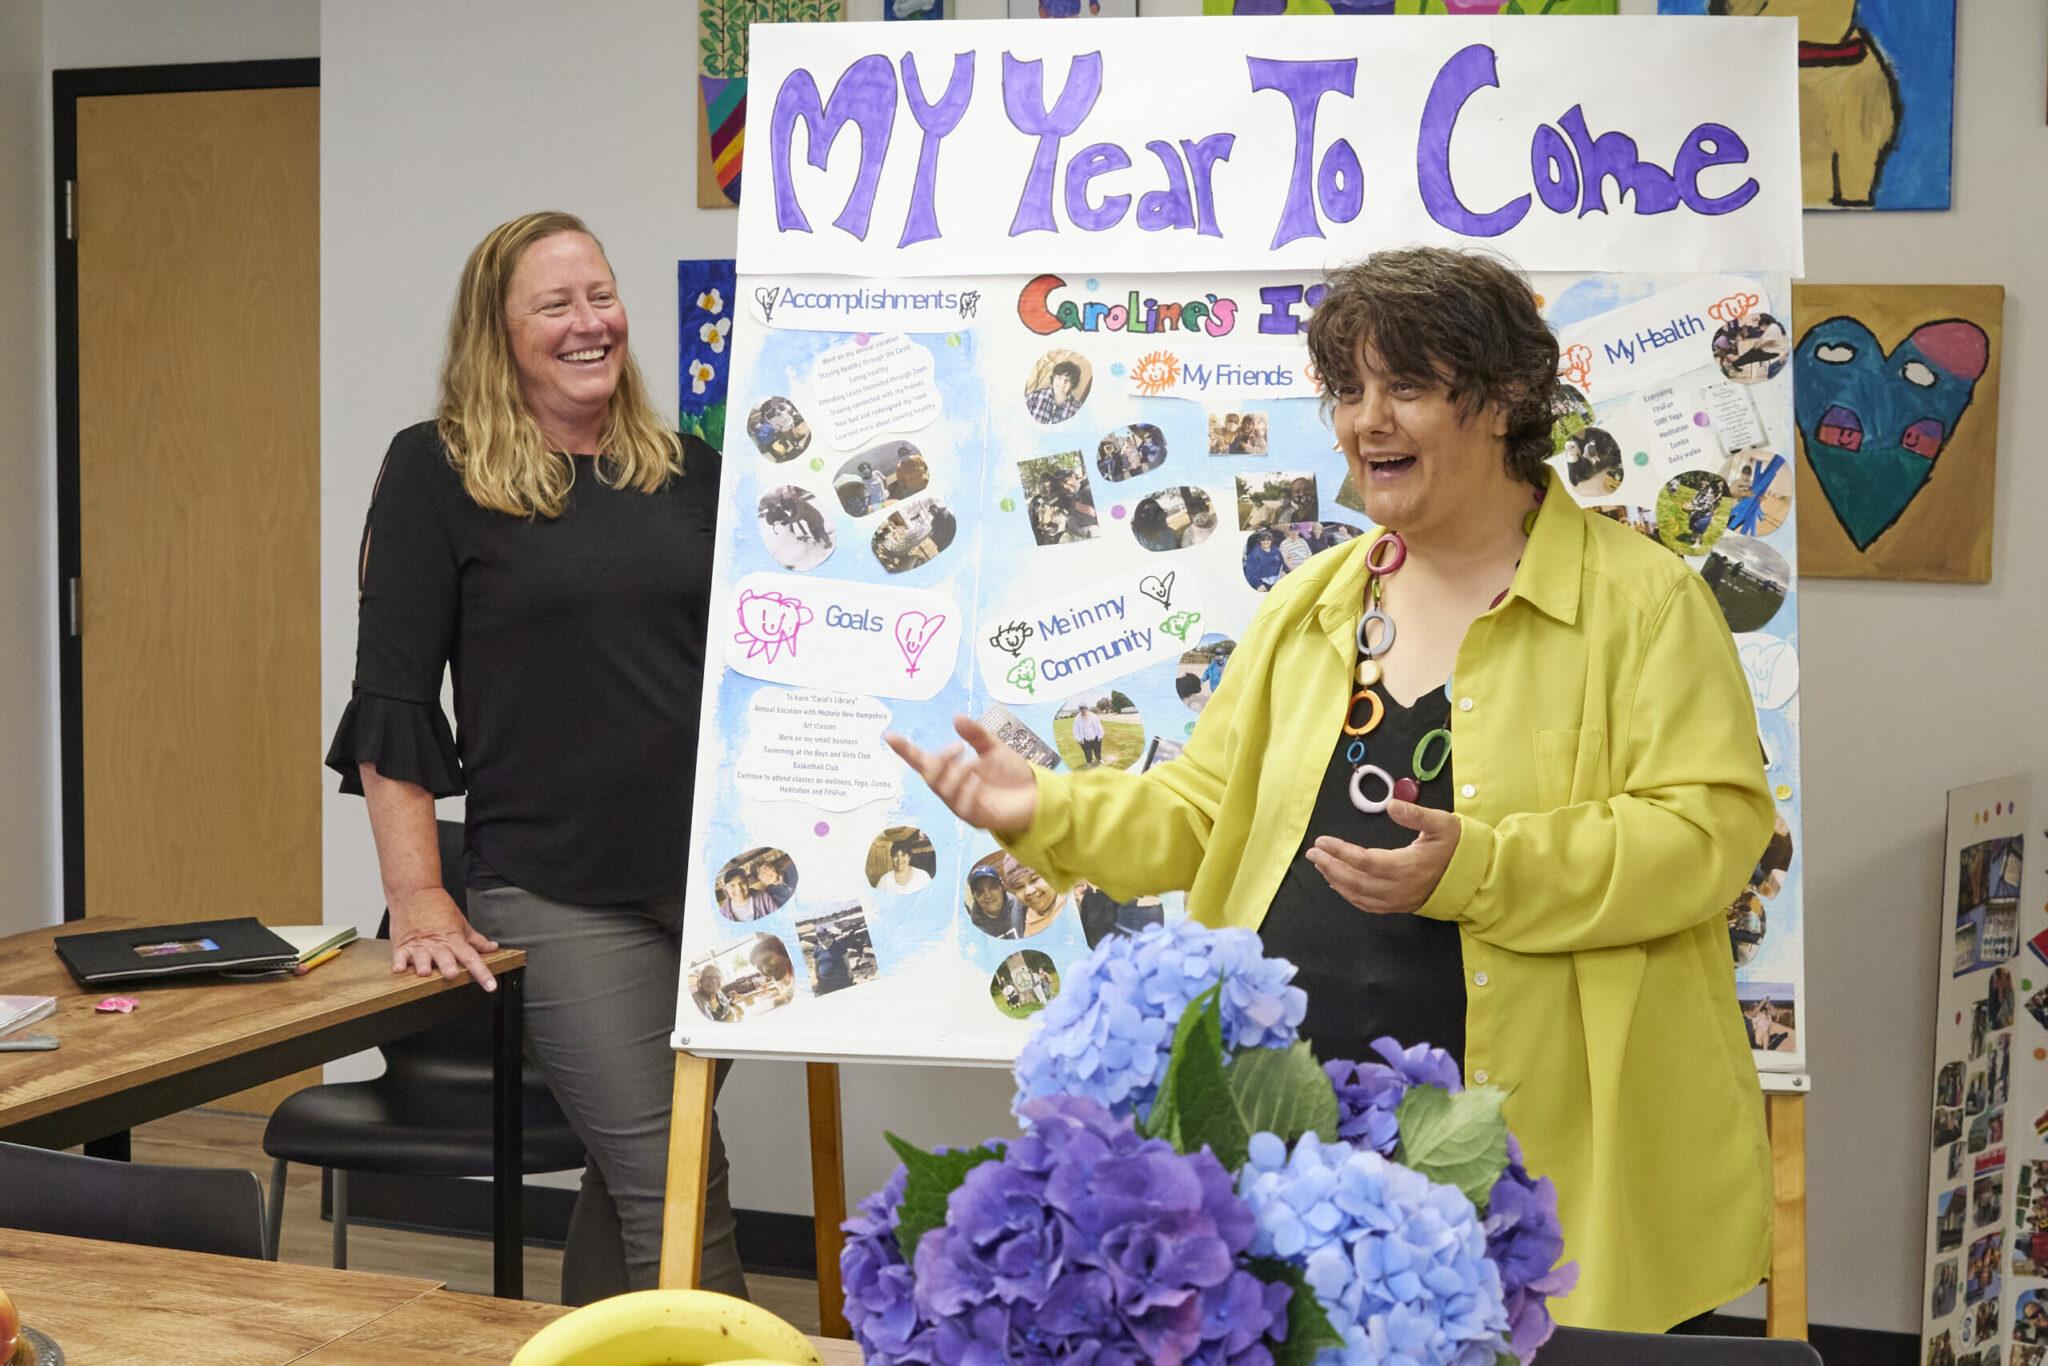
x=769, y=623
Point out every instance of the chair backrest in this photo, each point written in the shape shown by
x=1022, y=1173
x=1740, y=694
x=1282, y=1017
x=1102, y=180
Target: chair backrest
x=195, y=1209
x=1590, y=1347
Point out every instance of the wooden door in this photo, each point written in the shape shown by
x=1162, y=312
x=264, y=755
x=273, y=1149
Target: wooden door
x=197, y=222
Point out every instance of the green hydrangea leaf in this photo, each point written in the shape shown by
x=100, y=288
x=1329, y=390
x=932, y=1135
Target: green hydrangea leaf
x=1308, y=1328
x=1283, y=1091
x=933, y=1177
x=1194, y=1105
x=1455, y=1138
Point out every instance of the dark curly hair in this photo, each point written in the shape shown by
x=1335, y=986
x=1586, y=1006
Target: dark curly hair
x=1463, y=319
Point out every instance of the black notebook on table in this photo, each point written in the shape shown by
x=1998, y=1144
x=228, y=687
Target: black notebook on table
x=142, y=953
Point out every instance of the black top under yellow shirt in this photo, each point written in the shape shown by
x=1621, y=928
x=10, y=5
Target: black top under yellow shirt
x=1369, y=975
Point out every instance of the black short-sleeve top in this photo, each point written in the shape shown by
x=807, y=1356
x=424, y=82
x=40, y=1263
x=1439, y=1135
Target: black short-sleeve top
x=576, y=646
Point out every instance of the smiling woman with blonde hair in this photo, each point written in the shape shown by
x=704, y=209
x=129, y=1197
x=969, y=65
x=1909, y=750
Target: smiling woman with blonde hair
x=548, y=540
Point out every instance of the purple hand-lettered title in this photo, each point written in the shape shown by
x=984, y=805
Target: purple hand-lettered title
x=1089, y=188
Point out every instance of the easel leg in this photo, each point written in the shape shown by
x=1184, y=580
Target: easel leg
x=1785, y=1297
x=689, y=1164
x=828, y=1194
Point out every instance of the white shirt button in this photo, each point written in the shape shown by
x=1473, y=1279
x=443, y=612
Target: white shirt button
x=1464, y=704
x=1479, y=979
x=1468, y=791
x=1479, y=1077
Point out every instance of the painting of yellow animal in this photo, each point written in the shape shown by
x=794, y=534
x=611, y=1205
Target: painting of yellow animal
x=1876, y=96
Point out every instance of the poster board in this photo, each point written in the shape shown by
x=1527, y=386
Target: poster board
x=1986, y=1292
x=1010, y=420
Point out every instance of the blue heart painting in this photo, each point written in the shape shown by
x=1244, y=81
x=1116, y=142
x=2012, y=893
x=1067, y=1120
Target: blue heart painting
x=1874, y=421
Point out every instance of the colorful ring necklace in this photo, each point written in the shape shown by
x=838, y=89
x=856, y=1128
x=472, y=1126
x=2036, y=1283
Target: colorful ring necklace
x=1376, y=636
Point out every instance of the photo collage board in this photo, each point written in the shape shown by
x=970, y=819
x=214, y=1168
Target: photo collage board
x=1986, y=1295
x=1051, y=494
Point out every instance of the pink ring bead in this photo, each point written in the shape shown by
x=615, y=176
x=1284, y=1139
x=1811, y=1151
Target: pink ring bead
x=1399, y=552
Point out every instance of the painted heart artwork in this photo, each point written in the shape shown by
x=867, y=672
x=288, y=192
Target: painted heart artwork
x=1895, y=397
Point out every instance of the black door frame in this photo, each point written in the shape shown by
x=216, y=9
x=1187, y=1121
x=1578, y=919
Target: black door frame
x=66, y=89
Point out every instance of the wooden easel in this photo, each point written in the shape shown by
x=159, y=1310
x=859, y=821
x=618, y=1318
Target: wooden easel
x=689, y=1163
x=682, y=1233
x=1785, y=1294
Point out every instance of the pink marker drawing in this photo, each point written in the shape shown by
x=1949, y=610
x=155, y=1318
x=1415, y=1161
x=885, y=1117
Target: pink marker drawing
x=769, y=623
x=914, y=631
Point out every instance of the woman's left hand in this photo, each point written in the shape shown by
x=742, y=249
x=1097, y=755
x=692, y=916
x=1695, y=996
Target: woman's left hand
x=1391, y=881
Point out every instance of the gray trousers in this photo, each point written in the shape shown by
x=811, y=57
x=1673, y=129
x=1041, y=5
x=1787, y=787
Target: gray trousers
x=600, y=1001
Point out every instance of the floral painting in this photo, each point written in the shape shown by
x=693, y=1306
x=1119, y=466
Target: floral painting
x=704, y=294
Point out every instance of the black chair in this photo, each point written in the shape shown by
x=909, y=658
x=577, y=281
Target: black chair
x=428, y=1115
x=1590, y=1347
x=194, y=1209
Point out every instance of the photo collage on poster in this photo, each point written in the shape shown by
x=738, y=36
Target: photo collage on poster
x=1987, y=1270
x=1053, y=503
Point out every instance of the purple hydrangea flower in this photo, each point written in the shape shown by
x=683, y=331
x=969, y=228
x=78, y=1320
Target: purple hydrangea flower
x=1396, y=1261
x=1525, y=1239
x=1523, y=1235
x=1089, y=1243
x=1109, y=1034
x=880, y=1304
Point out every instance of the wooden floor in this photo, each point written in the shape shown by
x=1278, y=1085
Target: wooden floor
x=213, y=1138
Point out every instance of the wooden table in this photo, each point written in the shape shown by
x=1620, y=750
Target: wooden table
x=200, y=1039
x=113, y=1304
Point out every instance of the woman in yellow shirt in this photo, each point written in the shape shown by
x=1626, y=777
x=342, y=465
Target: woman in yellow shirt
x=1525, y=864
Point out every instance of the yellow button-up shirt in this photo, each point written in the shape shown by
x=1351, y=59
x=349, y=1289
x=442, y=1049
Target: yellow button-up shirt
x=1611, y=802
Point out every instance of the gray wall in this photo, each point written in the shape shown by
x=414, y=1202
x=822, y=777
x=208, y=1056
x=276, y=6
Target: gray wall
x=441, y=119
x=28, y=664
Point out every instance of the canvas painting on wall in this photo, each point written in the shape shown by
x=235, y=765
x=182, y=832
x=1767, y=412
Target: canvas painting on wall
x=1896, y=400
x=1877, y=83
x=704, y=308
x=722, y=84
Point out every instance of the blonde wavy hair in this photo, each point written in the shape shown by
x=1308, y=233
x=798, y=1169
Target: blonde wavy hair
x=493, y=440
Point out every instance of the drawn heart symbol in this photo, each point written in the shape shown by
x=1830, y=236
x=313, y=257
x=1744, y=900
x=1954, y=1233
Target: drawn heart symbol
x=1158, y=587
x=914, y=631
x=1872, y=423
x=764, y=295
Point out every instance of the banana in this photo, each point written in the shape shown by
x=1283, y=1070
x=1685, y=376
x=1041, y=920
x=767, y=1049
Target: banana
x=667, y=1328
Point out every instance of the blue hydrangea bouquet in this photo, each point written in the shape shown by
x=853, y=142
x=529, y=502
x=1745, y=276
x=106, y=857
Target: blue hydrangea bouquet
x=1192, y=1186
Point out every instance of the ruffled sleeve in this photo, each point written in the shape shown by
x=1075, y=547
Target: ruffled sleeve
x=409, y=741
x=408, y=606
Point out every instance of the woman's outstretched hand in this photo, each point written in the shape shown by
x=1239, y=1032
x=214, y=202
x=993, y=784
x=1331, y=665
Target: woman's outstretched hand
x=983, y=782
x=1391, y=881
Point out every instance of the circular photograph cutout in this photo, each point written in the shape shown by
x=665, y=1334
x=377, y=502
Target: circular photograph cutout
x=914, y=534
x=1750, y=581
x=1200, y=671
x=1592, y=462
x=738, y=981
x=1057, y=386
x=1102, y=915
x=1058, y=500
x=1024, y=984
x=1099, y=729
x=1692, y=511
x=838, y=949
x=1130, y=451
x=1746, y=926
x=1272, y=553
x=1572, y=410
x=1006, y=900
x=778, y=429
x=794, y=530
x=880, y=476
x=901, y=860
x=1752, y=349
x=757, y=883
x=1173, y=519
x=1276, y=499
x=1237, y=433
x=1762, y=490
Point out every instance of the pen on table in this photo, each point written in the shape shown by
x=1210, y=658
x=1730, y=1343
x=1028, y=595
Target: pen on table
x=315, y=961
